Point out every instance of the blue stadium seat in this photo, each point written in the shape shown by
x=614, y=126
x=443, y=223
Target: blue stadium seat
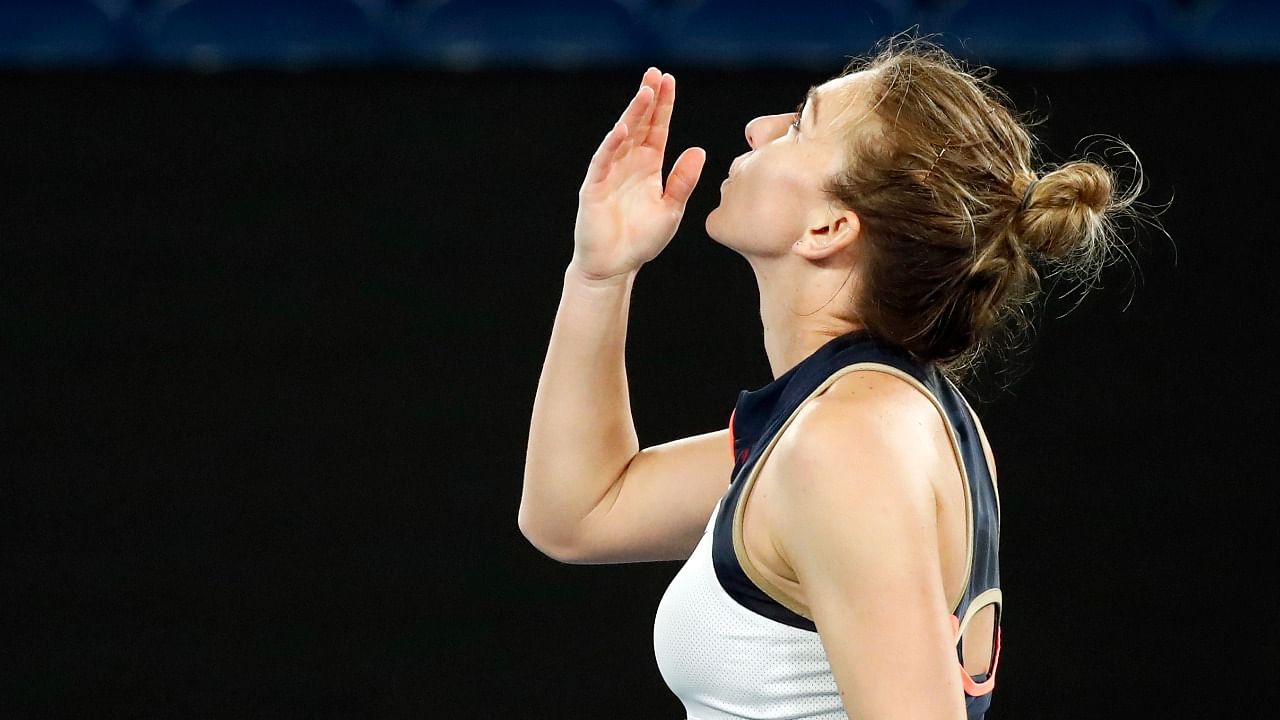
x=1236, y=30
x=217, y=34
x=798, y=33
x=44, y=33
x=559, y=34
x=1057, y=34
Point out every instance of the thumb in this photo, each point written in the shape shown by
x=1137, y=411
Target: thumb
x=684, y=176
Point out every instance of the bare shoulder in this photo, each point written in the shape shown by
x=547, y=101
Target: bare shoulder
x=865, y=412
x=856, y=520
x=870, y=445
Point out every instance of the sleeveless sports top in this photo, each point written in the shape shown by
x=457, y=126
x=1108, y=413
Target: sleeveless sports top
x=729, y=649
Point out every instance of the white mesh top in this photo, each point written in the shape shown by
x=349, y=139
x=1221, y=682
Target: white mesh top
x=726, y=648
x=726, y=662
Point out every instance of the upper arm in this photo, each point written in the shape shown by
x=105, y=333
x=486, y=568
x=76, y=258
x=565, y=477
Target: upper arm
x=659, y=506
x=856, y=521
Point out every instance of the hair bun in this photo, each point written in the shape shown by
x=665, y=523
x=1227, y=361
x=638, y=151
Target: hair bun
x=1066, y=211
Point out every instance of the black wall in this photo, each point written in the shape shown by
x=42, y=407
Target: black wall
x=270, y=345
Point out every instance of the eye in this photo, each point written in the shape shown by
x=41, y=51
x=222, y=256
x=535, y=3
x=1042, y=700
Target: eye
x=799, y=111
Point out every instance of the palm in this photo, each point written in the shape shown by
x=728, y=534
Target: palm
x=625, y=217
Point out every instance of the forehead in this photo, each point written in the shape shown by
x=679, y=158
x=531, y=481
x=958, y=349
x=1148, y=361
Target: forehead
x=839, y=98
x=843, y=90
x=843, y=84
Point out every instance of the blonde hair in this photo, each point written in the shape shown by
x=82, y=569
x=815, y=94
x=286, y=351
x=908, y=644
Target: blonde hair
x=955, y=215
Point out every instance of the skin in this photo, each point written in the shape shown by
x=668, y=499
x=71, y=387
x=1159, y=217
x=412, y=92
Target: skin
x=855, y=511
x=801, y=247
x=852, y=507
x=856, y=541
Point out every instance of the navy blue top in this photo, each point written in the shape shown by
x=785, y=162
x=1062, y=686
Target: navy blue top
x=759, y=414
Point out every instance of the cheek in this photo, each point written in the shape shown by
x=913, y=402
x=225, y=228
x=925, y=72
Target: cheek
x=759, y=215
x=772, y=200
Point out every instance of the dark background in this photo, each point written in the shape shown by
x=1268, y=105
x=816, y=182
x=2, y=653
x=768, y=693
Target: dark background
x=271, y=343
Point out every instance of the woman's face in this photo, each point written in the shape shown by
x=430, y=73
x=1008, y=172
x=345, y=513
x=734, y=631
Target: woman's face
x=772, y=196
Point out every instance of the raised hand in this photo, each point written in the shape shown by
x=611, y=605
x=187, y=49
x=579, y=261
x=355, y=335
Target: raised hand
x=625, y=216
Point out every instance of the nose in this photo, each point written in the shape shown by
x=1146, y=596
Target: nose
x=765, y=128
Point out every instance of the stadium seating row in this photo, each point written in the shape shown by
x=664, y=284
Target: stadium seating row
x=466, y=34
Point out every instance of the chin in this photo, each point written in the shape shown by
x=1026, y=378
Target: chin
x=718, y=236
x=712, y=226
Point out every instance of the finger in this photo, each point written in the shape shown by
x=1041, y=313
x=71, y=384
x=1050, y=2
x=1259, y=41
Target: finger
x=607, y=153
x=652, y=80
x=684, y=176
x=602, y=160
x=630, y=115
x=664, y=102
x=634, y=116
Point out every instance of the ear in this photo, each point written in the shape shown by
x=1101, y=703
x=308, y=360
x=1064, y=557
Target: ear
x=831, y=237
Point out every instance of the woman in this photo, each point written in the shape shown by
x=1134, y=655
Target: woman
x=893, y=222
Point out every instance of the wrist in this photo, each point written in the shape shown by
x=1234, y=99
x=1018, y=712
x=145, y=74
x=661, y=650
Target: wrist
x=574, y=273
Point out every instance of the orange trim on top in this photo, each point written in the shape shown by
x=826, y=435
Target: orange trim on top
x=733, y=445
x=973, y=688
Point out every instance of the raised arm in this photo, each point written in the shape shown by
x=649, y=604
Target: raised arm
x=581, y=436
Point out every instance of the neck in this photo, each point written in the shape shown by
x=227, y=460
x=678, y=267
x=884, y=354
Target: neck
x=800, y=311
